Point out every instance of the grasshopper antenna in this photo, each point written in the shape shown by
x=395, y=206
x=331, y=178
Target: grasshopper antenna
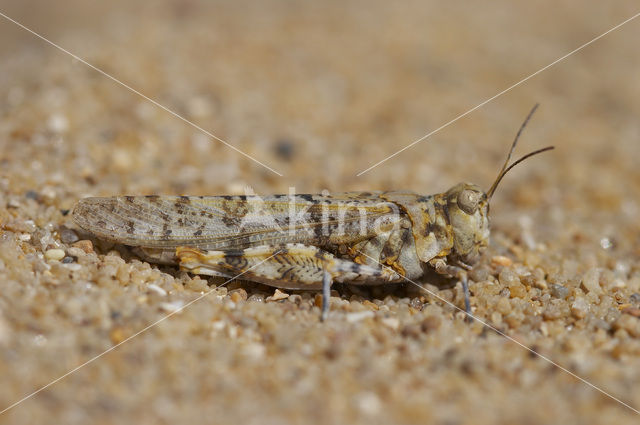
x=506, y=167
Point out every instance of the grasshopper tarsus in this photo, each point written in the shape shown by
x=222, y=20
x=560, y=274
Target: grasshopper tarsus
x=326, y=295
x=467, y=301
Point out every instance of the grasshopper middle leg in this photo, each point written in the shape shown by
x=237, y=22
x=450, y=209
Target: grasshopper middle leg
x=441, y=267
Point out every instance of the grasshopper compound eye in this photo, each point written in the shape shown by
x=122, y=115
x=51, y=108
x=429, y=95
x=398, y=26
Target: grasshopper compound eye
x=468, y=201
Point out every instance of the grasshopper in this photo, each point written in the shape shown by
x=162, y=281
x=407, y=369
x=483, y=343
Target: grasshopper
x=306, y=241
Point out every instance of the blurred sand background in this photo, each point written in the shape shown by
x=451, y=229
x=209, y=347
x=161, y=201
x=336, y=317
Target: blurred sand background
x=321, y=91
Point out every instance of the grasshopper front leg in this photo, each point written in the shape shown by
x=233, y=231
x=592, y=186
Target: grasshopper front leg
x=290, y=266
x=441, y=267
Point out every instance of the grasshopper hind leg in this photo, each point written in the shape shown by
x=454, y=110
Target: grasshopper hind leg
x=290, y=266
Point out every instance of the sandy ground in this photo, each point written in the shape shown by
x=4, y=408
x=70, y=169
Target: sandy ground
x=320, y=92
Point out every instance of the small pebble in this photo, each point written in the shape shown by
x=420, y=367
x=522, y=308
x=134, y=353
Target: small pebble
x=54, y=254
x=517, y=290
x=501, y=260
x=580, y=308
x=370, y=305
x=416, y=303
x=412, y=331
x=258, y=298
x=157, y=289
x=503, y=306
x=67, y=260
x=359, y=315
x=58, y=123
x=173, y=306
x=285, y=149
x=508, y=277
x=368, y=403
x=49, y=192
x=390, y=322
x=479, y=273
x=430, y=323
x=635, y=299
x=76, y=252
x=238, y=295
x=84, y=245
x=68, y=236
x=634, y=311
x=619, y=283
x=606, y=243
x=74, y=267
x=591, y=281
x=541, y=284
x=629, y=323
x=559, y=291
x=278, y=295
x=552, y=311
x=32, y=194
x=117, y=335
x=19, y=225
x=295, y=299
x=254, y=351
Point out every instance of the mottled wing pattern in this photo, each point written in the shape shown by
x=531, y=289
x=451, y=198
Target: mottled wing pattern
x=232, y=222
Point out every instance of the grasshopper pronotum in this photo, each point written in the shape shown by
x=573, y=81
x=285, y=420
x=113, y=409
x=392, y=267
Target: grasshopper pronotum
x=306, y=241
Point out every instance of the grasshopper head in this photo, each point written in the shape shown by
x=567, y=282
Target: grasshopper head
x=469, y=206
x=468, y=211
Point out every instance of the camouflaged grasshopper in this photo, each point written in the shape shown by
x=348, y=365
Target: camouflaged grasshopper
x=305, y=241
